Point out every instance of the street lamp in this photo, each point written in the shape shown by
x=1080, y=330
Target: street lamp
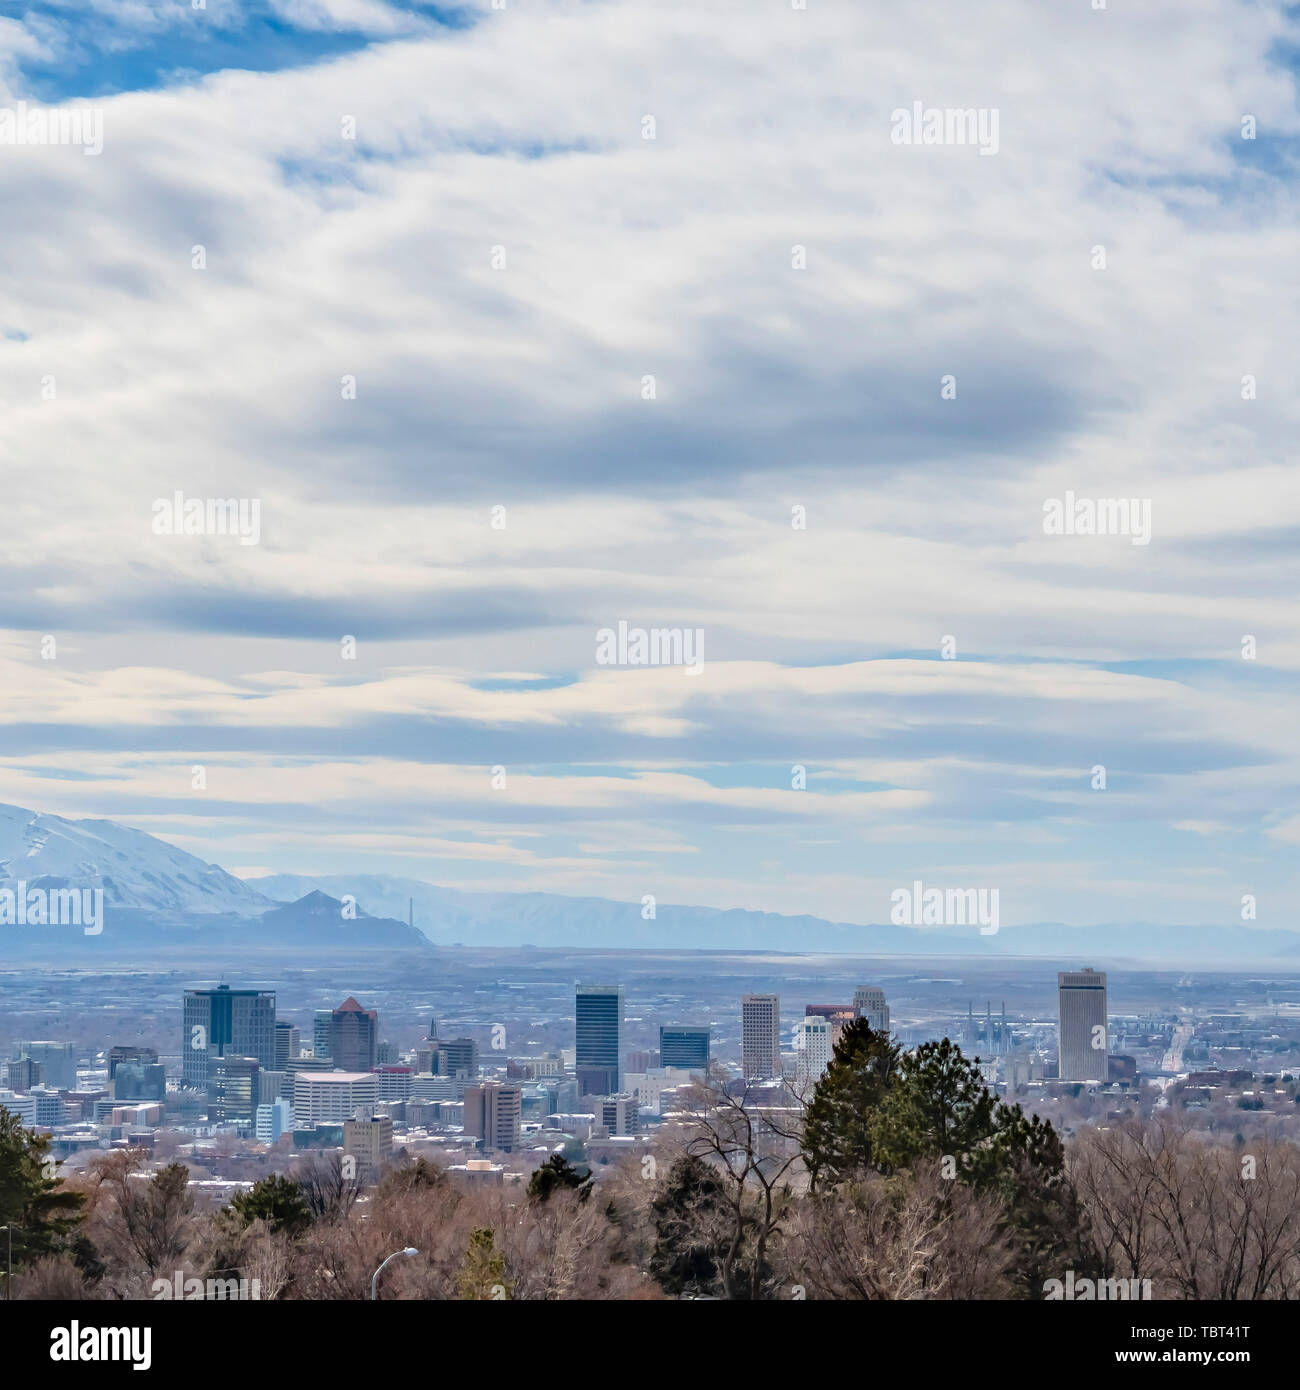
x=374, y=1278
x=9, y=1265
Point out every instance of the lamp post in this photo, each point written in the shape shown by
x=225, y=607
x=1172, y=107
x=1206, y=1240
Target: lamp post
x=9, y=1263
x=374, y=1278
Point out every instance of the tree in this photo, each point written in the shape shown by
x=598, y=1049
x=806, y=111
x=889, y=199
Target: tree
x=326, y=1187
x=155, y=1215
x=41, y=1212
x=837, y=1131
x=276, y=1200
x=751, y=1142
x=692, y=1229
x=910, y=1236
x=936, y=1106
x=483, y=1272
x=558, y=1174
x=1046, y=1224
x=420, y=1176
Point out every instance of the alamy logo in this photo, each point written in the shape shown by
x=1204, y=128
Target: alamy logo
x=931, y=125
x=1101, y=516
x=62, y=125
x=945, y=907
x=53, y=907
x=179, y=515
x=77, y=1343
x=656, y=646
x=220, y=1290
x=1095, y=1290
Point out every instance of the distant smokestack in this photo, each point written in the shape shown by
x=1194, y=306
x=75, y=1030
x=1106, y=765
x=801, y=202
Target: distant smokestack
x=410, y=911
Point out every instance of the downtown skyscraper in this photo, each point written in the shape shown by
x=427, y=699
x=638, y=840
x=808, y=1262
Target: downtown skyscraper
x=225, y=1022
x=760, y=1036
x=1082, y=1043
x=598, y=1021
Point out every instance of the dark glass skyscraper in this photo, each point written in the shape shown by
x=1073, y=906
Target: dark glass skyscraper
x=680, y=1046
x=598, y=1017
x=225, y=1022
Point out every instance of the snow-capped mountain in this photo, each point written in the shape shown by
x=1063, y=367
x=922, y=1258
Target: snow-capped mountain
x=134, y=869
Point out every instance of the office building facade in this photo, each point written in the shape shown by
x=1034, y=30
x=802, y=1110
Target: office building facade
x=369, y=1142
x=760, y=1036
x=233, y=1090
x=1083, y=1044
x=682, y=1046
x=330, y=1097
x=140, y=1081
x=598, y=1023
x=225, y=1022
x=493, y=1113
x=813, y=1043
x=620, y=1115
x=869, y=1003
x=286, y=1045
x=353, y=1036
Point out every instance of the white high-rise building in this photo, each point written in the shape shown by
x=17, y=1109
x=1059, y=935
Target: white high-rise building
x=1083, y=1045
x=620, y=1114
x=273, y=1120
x=324, y=1097
x=869, y=1003
x=813, y=1044
x=760, y=1036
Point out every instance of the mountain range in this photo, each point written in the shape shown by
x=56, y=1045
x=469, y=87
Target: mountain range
x=160, y=901
x=162, y=905
x=451, y=917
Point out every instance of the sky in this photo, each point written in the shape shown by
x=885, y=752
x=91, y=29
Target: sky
x=520, y=323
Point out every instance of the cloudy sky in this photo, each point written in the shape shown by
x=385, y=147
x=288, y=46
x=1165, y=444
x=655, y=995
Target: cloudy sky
x=459, y=210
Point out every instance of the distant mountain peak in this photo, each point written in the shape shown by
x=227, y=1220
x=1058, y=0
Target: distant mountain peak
x=134, y=868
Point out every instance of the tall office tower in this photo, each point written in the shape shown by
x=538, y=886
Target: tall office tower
x=620, y=1114
x=813, y=1043
x=233, y=1090
x=1082, y=1043
x=598, y=1018
x=385, y=1053
x=320, y=1032
x=24, y=1074
x=354, y=1031
x=456, y=1057
x=370, y=1141
x=125, y=1053
x=225, y=1022
x=493, y=1110
x=760, y=1036
x=680, y=1046
x=58, y=1062
x=286, y=1045
x=869, y=1003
